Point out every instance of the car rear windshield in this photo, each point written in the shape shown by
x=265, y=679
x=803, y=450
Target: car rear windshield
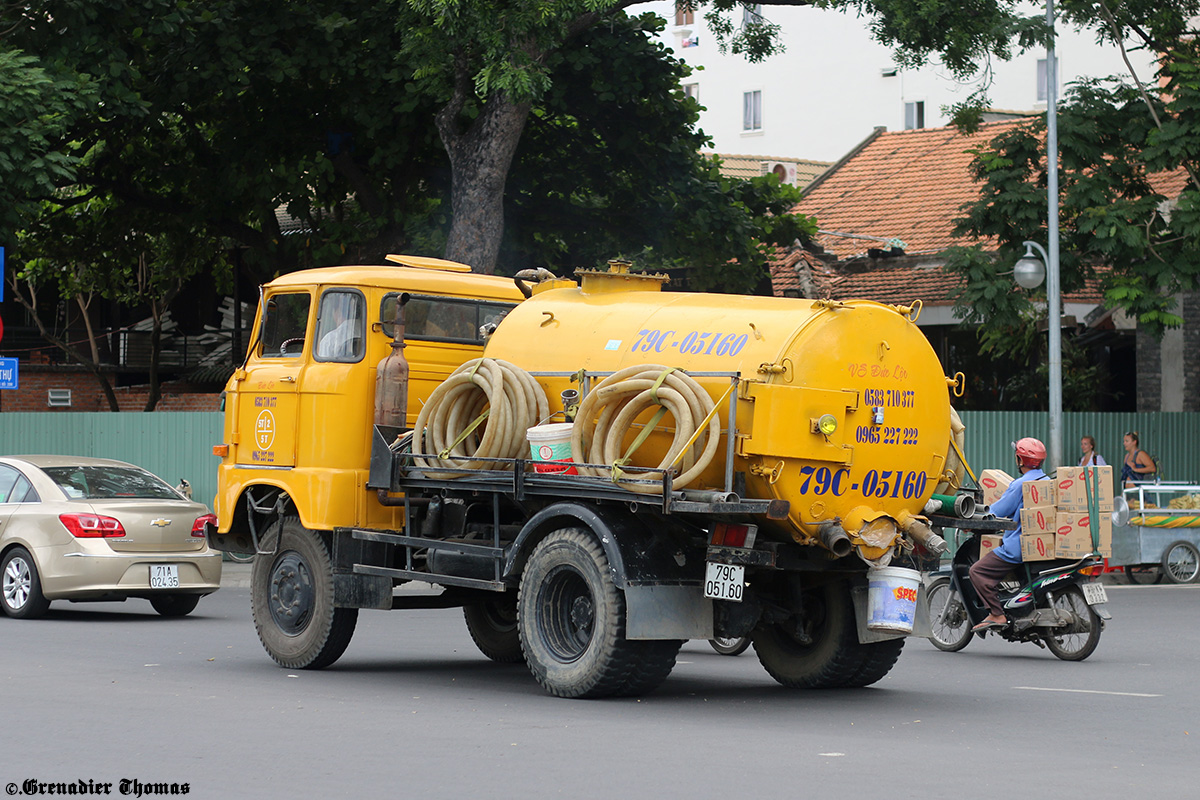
x=108, y=482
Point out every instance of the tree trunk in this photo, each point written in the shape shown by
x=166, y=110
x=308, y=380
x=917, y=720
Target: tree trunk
x=480, y=157
x=154, y=394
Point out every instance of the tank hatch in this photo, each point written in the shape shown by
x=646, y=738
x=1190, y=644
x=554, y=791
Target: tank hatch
x=619, y=278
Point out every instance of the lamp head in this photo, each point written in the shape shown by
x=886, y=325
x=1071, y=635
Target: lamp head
x=1029, y=272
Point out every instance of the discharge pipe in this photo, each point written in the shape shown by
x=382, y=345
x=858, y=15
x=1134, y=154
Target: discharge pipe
x=835, y=539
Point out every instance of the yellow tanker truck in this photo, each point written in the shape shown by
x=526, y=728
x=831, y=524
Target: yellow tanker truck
x=596, y=470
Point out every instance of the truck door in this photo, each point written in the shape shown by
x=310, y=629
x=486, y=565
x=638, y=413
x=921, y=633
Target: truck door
x=337, y=390
x=268, y=400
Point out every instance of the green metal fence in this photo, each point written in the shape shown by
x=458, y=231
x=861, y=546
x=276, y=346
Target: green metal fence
x=178, y=445
x=172, y=445
x=1173, y=438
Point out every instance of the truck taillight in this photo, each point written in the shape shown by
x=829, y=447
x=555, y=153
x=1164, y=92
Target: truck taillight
x=92, y=526
x=727, y=534
x=198, y=527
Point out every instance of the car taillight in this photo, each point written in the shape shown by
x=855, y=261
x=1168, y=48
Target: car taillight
x=730, y=535
x=92, y=526
x=201, y=523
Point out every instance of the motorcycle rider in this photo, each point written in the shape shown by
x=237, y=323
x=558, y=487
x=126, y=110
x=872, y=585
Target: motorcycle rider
x=987, y=572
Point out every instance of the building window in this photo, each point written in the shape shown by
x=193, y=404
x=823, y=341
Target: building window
x=914, y=115
x=692, y=90
x=752, y=111
x=1041, y=80
x=684, y=15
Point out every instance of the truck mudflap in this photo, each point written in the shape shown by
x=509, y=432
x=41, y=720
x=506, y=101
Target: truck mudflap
x=660, y=611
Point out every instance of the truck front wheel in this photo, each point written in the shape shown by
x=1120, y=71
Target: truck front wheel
x=291, y=598
x=820, y=648
x=572, y=623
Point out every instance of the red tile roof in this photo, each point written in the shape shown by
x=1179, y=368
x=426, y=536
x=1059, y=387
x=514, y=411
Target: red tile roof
x=901, y=185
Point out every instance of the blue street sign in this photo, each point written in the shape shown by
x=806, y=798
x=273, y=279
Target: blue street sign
x=8, y=373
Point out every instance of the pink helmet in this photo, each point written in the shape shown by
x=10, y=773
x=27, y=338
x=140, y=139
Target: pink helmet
x=1030, y=452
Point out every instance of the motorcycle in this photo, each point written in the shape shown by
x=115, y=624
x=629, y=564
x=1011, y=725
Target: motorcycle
x=730, y=646
x=1057, y=604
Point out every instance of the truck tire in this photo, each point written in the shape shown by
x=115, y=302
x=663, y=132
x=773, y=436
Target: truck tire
x=291, y=597
x=878, y=660
x=571, y=619
x=493, y=627
x=833, y=656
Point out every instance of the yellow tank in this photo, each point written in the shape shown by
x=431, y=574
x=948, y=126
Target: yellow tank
x=842, y=407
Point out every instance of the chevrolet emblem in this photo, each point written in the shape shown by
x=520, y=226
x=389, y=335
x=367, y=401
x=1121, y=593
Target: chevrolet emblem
x=160, y=523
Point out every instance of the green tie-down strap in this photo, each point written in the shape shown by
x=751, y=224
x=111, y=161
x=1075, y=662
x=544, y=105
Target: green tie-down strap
x=617, y=472
x=1091, y=487
x=465, y=433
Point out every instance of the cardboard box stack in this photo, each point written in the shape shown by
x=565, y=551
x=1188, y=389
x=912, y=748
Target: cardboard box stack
x=1054, y=516
x=1073, y=532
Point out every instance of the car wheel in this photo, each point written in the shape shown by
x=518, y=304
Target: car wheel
x=22, y=596
x=175, y=605
x=291, y=599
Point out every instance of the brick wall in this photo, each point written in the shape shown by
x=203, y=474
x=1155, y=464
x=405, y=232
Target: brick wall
x=86, y=395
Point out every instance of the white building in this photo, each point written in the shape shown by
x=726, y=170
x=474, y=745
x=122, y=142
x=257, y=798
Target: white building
x=834, y=84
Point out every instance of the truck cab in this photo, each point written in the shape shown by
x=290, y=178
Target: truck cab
x=299, y=410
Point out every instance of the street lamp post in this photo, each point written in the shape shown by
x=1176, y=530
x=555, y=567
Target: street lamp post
x=1028, y=274
x=1029, y=269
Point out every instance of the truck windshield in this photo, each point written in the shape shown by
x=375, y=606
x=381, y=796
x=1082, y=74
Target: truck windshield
x=285, y=321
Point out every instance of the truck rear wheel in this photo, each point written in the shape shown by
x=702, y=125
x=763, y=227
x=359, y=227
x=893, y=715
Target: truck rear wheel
x=827, y=654
x=572, y=623
x=291, y=598
x=493, y=627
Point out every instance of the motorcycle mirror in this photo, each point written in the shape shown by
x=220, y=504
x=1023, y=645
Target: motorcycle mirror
x=1120, y=514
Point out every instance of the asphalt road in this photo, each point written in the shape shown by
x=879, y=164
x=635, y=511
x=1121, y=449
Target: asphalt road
x=106, y=692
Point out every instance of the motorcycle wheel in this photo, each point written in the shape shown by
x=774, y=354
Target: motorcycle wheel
x=732, y=646
x=1143, y=574
x=1078, y=639
x=948, y=620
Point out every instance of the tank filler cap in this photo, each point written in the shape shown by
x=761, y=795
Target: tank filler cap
x=619, y=278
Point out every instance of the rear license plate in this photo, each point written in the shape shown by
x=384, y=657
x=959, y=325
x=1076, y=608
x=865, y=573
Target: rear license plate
x=1094, y=593
x=164, y=576
x=724, y=581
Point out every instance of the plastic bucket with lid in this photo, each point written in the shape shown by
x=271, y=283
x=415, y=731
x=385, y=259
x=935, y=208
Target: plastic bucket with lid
x=550, y=448
x=892, y=599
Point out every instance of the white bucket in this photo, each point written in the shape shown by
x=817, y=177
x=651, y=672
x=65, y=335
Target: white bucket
x=892, y=599
x=550, y=447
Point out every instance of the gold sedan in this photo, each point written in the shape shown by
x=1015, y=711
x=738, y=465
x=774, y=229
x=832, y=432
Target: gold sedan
x=82, y=529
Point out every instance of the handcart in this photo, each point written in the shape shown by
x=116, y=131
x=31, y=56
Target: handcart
x=1161, y=538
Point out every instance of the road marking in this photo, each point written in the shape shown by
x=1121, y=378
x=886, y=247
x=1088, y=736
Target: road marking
x=1085, y=691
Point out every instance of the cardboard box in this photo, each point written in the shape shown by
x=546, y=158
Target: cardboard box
x=1070, y=492
x=988, y=542
x=994, y=482
x=1039, y=519
x=1037, y=546
x=1074, y=534
x=1037, y=493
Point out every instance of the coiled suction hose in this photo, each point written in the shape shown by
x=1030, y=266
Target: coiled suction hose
x=503, y=394
x=607, y=413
